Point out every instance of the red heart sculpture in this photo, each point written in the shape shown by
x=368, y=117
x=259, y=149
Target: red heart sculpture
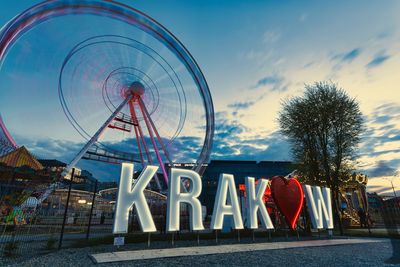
x=288, y=196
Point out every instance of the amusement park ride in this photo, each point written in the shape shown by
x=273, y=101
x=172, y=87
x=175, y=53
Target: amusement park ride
x=133, y=98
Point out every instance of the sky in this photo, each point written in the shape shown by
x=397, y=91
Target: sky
x=253, y=55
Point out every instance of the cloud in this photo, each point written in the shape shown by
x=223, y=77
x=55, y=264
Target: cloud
x=379, y=146
x=231, y=143
x=353, y=54
x=241, y=105
x=275, y=83
x=270, y=80
x=271, y=37
x=232, y=140
x=377, y=61
x=382, y=168
x=50, y=148
x=348, y=56
x=303, y=17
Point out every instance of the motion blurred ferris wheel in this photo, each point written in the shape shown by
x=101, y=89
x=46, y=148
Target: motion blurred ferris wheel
x=132, y=97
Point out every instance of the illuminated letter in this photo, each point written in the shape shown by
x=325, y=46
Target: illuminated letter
x=128, y=196
x=175, y=198
x=256, y=203
x=221, y=207
x=320, y=206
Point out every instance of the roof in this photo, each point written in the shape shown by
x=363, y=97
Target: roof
x=242, y=168
x=249, y=162
x=52, y=163
x=21, y=157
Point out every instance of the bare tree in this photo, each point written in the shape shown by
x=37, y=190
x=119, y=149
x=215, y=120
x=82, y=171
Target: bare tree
x=324, y=128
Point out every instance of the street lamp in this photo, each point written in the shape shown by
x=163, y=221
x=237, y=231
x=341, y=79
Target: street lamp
x=396, y=203
x=391, y=182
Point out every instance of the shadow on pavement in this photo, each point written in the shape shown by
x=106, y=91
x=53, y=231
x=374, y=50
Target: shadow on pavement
x=392, y=227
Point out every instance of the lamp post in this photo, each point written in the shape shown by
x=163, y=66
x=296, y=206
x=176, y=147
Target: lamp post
x=91, y=210
x=66, y=209
x=391, y=182
x=396, y=203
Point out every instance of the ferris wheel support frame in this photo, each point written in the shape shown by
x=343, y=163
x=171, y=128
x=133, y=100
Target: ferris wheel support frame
x=138, y=130
x=150, y=130
x=130, y=100
x=95, y=137
x=141, y=104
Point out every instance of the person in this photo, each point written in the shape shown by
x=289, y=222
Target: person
x=363, y=218
x=343, y=207
x=102, y=218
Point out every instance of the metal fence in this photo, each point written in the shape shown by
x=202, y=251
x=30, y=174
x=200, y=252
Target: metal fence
x=28, y=228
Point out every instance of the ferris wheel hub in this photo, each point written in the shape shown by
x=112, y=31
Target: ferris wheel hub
x=135, y=89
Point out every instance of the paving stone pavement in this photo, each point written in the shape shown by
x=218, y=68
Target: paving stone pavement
x=222, y=249
x=350, y=254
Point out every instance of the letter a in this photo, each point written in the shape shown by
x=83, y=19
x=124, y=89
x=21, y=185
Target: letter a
x=221, y=207
x=255, y=203
x=128, y=196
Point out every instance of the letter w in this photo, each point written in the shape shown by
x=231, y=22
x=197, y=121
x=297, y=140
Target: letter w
x=320, y=206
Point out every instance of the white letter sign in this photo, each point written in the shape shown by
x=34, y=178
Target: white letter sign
x=175, y=198
x=128, y=196
x=221, y=207
x=319, y=206
x=255, y=203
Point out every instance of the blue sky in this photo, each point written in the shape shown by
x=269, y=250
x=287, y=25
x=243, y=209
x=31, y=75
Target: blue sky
x=253, y=56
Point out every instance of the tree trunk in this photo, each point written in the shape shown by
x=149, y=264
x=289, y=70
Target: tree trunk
x=336, y=211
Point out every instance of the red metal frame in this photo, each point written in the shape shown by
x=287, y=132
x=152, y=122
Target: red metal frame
x=156, y=132
x=134, y=118
x=149, y=129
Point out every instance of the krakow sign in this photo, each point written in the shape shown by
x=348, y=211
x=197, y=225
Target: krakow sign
x=288, y=195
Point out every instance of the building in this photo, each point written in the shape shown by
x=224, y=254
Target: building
x=79, y=207
x=84, y=181
x=21, y=157
x=106, y=185
x=53, y=165
x=239, y=169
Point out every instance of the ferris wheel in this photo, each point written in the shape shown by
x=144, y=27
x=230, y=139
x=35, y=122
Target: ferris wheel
x=136, y=95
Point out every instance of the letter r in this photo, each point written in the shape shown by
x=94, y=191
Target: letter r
x=176, y=197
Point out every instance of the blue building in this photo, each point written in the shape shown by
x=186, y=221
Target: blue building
x=239, y=169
